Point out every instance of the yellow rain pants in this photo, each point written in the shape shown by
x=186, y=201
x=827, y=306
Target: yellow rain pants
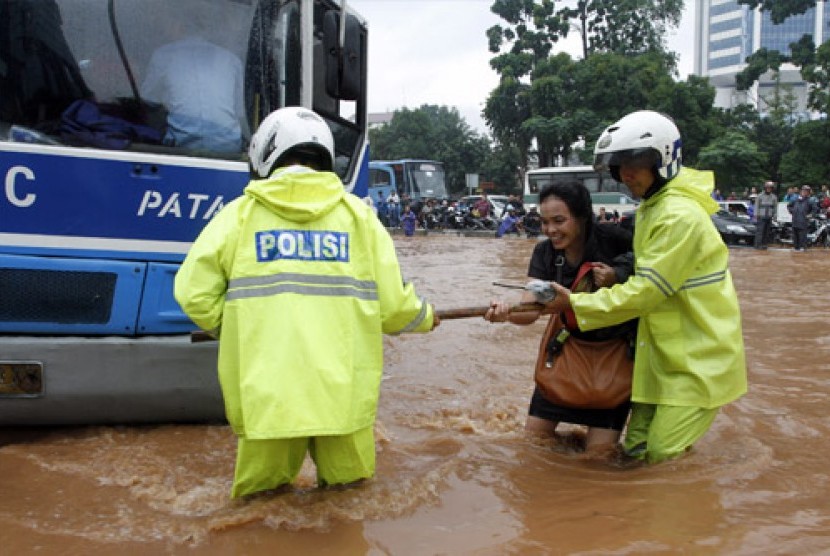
x=659, y=432
x=268, y=464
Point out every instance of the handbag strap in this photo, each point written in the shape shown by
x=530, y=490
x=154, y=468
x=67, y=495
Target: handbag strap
x=584, y=282
x=559, y=262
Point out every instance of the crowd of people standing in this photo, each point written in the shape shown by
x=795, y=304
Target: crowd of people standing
x=803, y=205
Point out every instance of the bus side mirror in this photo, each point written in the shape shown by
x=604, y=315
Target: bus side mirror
x=344, y=68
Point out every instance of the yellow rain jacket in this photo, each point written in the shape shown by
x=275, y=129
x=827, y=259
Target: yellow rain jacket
x=690, y=349
x=303, y=280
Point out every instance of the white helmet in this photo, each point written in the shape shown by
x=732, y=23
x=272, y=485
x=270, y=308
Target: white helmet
x=290, y=130
x=644, y=138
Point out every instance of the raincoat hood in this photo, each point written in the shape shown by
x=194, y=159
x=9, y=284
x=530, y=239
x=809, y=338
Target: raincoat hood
x=301, y=306
x=297, y=193
x=694, y=184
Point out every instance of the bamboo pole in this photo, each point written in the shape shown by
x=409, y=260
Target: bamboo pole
x=467, y=312
x=446, y=314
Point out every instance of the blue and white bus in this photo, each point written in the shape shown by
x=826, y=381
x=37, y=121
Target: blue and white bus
x=418, y=179
x=103, y=195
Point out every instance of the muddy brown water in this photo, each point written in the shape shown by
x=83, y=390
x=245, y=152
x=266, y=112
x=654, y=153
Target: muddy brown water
x=455, y=473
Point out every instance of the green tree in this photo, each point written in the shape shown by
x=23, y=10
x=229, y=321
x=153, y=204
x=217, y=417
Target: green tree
x=780, y=10
x=505, y=110
x=772, y=133
x=610, y=85
x=555, y=119
x=554, y=101
x=736, y=161
x=500, y=168
x=532, y=30
x=793, y=155
x=807, y=162
x=815, y=69
x=434, y=133
x=623, y=26
x=572, y=100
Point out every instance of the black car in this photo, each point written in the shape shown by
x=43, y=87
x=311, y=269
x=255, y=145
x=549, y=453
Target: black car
x=733, y=229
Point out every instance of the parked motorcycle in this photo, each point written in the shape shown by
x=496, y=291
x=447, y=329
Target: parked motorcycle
x=818, y=232
x=781, y=232
x=432, y=221
x=454, y=219
x=473, y=223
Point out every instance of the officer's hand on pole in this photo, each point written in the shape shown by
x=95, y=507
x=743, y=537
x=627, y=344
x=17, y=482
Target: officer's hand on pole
x=561, y=301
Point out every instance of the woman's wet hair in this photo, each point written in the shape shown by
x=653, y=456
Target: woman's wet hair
x=576, y=196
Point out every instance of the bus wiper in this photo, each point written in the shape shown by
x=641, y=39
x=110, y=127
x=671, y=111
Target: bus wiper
x=124, y=61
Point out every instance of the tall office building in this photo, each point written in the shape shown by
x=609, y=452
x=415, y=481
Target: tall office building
x=728, y=32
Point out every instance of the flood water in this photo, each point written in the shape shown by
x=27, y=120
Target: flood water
x=455, y=473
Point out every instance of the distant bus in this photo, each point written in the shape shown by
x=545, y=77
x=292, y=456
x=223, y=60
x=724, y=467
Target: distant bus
x=606, y=192
x=420, y=179
x=596, y=182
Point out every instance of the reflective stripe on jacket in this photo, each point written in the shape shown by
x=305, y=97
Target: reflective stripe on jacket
x=303, y=280
x=690, y=349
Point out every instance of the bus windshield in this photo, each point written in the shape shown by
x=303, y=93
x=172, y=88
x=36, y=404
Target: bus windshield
x=427, y=179
x=538, y=179
x=187, y=77
x=418, y=179
x=537, y=182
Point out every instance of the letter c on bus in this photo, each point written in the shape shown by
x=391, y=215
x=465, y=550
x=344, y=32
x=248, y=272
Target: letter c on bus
x=27, y=200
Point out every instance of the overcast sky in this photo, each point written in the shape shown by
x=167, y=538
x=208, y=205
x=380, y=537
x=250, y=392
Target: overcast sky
x=435, y=52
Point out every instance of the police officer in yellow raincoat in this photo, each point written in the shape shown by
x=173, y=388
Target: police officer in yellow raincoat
x=689, y=358
x=303, y=281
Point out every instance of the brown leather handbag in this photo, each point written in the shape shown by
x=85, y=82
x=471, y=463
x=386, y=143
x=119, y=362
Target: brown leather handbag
x=578, y=373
